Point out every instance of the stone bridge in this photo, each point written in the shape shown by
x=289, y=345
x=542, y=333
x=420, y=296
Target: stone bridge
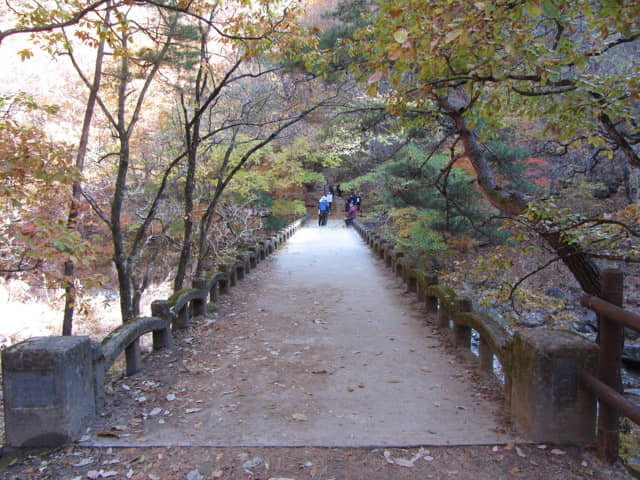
x=320, y=345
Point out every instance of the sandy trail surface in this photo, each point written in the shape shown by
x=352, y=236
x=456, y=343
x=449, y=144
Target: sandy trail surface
x=318, y=346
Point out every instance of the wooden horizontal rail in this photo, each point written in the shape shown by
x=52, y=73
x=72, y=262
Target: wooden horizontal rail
x=611, y=397
x=183, y=300
x=128, y=334
x=612, y=312
x=490, y=331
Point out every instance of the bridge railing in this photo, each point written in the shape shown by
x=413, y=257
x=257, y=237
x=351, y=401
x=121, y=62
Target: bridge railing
x=540, y=367
x=606, y=385
x=54, y=386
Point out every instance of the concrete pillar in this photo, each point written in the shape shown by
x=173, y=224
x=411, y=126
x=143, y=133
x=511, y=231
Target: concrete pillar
x=199, y=305
x=48, y=385
x=485, y=358
x=162, y=339
x=214, y=293
x=133, y=357
x=181, y=319
x=161, y=309
x=443, y=317
x=547, y=401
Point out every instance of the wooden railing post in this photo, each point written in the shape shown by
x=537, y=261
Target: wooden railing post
x=609, y=370
x=431, y=303
x=133, y=357
x=485, y=357
x=443, y=317
x=462, y=333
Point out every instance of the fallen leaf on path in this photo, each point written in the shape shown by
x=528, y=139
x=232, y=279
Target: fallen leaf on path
x=319, y=372
x=109, y=433
x=137, y=459
x=254, y=462
x=301, y=417
x=94, y=475
x=83, y=463
x=520, y=452
x=192, y=410
x=406, y=462
x=393, y=381
x=557, y=451
x=349, y=389
x=194, y=475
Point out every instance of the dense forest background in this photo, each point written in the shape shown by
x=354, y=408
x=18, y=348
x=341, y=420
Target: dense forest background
x=143, y=143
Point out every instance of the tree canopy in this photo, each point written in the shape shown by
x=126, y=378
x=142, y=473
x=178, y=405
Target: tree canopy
x=193, y=100
x=464, y=70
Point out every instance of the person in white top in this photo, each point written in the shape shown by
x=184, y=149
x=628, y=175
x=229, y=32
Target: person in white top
x=329, y=197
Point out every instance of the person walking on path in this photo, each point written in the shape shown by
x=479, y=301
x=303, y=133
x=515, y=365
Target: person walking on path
x=358, y=202
x=329, y=197
x=323, y=211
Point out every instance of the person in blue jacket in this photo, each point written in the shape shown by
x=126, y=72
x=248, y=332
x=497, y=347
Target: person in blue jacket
x=323, y=211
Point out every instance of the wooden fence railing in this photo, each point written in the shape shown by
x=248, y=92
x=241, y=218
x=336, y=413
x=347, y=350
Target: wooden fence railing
x=455, y=313
x=607, y=384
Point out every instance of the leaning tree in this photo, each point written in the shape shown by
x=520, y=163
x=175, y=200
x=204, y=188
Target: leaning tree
x=461, y=69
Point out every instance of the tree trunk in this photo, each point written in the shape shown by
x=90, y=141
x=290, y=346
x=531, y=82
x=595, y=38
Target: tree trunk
x=185, y=253
x=205, y=225
x=70, y=289
x=120, y=258
x=583, y=268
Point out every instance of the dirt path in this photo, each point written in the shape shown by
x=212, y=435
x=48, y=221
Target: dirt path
x=318, y=348
x=322, y=348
